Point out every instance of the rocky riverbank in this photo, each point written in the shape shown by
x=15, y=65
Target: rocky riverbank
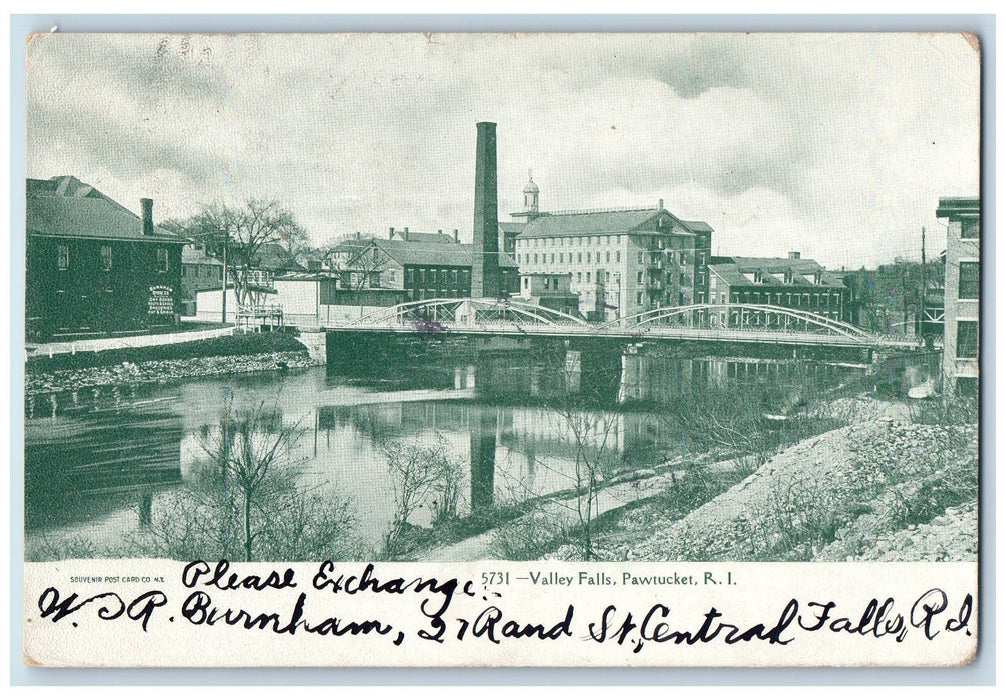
x=215, y=357
x=888, y=486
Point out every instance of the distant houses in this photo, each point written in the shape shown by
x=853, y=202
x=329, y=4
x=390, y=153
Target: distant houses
x=792, y=282
x=93, y=266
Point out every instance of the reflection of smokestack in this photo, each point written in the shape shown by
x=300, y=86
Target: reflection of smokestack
x=147, y=216
x=486, y=276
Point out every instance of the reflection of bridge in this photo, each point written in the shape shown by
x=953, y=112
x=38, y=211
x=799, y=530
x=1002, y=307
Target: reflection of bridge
x=747, y=323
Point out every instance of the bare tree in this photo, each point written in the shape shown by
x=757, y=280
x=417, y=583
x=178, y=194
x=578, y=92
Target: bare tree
x=427, y=476
x=239, y=234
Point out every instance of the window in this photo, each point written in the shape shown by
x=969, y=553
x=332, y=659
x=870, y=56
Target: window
x=375, y=279
x=552, y=260
x=535, y=258
x=525, y=283
x=639, y=297
x=967, y=339
x=588, y=278
x=588, y=257
x=969, y=229
x=969, y=283
x=162, y=260
x=607, y=257
x=639, y=277
x=579, y=257
x=579, y=277
x=560, y=258
x=640, y=257
x=106, y=258
x=63, y=257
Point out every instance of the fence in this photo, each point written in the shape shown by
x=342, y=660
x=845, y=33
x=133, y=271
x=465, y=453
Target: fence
x=134, y=341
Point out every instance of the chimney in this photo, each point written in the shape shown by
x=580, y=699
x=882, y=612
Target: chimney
x=660, y=204
x=455, y=235
x=357, y=235
x=440, y=231
x=147, y=216
x=391, y=232
x=794, y=255
x=486, y=275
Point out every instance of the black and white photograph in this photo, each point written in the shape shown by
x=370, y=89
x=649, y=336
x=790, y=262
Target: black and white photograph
x=627, y=315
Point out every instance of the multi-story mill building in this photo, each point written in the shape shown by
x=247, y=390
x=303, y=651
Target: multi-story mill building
x=620, y=262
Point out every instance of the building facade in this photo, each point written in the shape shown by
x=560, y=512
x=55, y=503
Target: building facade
x=620, y=262
x=94, y=267
x=200, y=272
x=962, y=301
x=423, y=265
x=792, y=282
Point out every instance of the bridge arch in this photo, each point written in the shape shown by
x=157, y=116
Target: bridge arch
x=467, y=312
x=738, y=316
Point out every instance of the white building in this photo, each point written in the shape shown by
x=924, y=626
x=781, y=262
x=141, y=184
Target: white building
x=962, y=295
x=620, y=261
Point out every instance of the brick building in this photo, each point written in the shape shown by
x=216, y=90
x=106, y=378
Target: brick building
x=93, y=266
x=793, y=282
x=423, y=265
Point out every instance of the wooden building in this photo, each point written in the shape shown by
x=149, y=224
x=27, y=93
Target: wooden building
x=93, y=267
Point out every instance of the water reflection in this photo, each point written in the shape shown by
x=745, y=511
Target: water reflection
x=99, y=463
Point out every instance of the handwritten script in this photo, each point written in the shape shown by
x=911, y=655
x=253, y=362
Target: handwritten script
x=280, y=602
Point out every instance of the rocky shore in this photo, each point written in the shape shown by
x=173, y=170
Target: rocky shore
x=888, y=486
x=125, y=373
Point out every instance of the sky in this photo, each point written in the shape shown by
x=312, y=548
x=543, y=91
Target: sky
x=835, y=145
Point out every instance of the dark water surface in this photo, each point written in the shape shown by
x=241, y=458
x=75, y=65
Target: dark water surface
x=99, y=461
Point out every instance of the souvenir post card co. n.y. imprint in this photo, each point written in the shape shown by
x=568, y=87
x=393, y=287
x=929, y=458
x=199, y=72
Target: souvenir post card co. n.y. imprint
x=525, y=350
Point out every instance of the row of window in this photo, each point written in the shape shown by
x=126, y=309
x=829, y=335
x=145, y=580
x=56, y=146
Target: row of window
x=441, y=277
x=528, y=257
x=568, y=241
x=783, y=299
x=198, y=271
x=162, y=260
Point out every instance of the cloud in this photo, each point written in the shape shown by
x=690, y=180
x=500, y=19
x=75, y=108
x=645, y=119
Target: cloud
x=776, y=140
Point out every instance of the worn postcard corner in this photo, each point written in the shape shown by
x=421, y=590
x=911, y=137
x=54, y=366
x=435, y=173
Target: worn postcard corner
x=455, y=350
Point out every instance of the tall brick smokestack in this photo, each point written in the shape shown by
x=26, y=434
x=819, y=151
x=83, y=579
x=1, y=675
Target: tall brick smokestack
x=487, y=280
x=147, y=216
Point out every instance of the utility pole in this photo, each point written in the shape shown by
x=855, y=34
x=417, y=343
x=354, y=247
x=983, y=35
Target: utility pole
x=922, y=309
x=223, y=289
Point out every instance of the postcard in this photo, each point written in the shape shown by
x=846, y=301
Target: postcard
x=502, y=350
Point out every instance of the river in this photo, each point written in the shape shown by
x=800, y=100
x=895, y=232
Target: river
x=103, y=464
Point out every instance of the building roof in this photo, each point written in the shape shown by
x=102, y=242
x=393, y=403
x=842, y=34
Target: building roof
x=587, y=223
x=955, y=207
x=276, y=258
x=66, y=207
x=424, y=252
x=419, y=237
x=734, y=271
x=602, y=222
x=193, y=256
x=698, y=226
x=512, y=226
